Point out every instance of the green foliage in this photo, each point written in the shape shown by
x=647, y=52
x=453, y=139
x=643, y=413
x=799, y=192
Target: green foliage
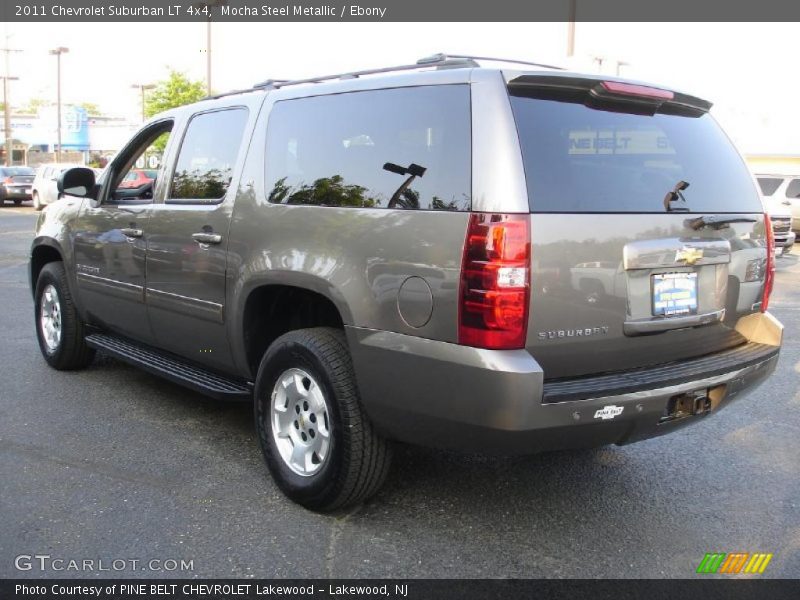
x=176, y=90
x=33, y=106
x=90, y=108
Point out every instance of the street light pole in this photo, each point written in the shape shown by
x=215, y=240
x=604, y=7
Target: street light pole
x=143, y=87
x=7, y=120
x=6, y=106
x=57, y=53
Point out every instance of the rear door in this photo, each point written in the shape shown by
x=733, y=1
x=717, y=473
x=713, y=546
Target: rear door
x=648, y=238
x=187, y=238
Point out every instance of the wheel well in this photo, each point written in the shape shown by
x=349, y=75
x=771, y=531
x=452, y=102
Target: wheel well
x=272, y=310
x=40, y=256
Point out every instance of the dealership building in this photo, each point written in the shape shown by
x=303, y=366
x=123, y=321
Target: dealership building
x=35, y=137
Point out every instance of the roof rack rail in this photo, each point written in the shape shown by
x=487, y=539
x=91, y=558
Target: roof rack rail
x=440, y=61
x=445, y=61
x=435, y=58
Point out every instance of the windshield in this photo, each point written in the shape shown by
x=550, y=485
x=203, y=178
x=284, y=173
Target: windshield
x=581, y=159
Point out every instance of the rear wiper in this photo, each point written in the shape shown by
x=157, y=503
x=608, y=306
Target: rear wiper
x=716, y=221
x=675, y=194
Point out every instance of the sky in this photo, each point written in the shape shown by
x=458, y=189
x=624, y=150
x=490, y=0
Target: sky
x=748, y=70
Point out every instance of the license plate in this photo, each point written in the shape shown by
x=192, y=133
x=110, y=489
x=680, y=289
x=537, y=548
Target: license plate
x=674, y=294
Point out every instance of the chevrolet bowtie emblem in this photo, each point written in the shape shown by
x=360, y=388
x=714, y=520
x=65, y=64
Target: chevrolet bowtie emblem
x=688, y=255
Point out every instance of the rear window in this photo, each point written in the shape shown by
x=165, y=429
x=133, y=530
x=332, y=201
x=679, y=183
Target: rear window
x=13, y=171
x=581, y=159
x=405, y=148
x=793, y=191
x=768, y=185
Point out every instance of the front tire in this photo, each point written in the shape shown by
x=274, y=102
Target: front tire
x=36, y=204
x=59, y=330
x=319, y=445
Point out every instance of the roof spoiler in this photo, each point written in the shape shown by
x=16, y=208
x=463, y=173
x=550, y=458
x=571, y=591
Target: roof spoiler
x=613, y=95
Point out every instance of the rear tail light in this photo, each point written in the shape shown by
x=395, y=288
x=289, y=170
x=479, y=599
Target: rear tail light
x=495, y=281
x=769, y=276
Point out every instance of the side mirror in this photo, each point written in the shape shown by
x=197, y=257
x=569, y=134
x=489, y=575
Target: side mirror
x=78, y=181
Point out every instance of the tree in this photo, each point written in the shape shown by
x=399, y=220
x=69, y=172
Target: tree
x=176, y=90
x=90, y=108
x=33, y=106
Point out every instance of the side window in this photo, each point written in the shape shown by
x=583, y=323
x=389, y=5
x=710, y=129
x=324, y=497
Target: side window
x=405, y=148
x=793, y=190
x=207, y=156
x=128, y=186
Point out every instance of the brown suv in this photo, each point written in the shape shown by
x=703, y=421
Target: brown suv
x=441, y=253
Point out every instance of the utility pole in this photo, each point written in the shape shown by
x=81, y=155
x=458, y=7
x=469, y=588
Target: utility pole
x=143, y=87
x=57, y=52
x=6, y=103
x=209, y=5
x=571, y=29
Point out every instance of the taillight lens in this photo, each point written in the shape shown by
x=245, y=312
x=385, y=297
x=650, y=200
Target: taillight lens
x=495, y=281
x=769, y=276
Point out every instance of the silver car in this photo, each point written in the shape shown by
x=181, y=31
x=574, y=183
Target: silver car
x=783, y=192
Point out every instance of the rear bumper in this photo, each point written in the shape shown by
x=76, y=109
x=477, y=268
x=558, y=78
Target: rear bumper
x=16, y=193
x=450, y=396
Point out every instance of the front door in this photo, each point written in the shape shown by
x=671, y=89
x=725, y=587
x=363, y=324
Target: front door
x=187, y=240
x=110, y=242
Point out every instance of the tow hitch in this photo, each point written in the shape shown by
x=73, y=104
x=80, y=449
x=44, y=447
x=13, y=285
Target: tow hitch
x=693, y=404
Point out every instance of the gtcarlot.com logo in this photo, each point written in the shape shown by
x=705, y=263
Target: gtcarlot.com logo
x=46, y=562
x=733, y=563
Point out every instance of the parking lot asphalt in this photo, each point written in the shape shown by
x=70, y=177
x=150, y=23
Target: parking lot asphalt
x=111, y=463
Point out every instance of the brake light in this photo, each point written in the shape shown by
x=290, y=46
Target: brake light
x=630, y=89
x=769, y=276
x=495, y=281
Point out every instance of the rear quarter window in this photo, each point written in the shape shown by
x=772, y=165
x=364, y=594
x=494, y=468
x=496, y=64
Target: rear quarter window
x=581, y=159
x=405, y=148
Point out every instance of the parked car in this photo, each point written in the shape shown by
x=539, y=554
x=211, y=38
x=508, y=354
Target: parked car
x=784, y=193
x=361, y=279
x=44, y=189
x=138, y=178
x=15, y=184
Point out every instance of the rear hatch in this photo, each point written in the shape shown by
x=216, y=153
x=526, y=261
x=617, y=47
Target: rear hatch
x=648, y=239
x=22, y=177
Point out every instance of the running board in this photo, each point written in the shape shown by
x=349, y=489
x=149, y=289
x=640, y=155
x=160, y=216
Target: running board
x=171, y=367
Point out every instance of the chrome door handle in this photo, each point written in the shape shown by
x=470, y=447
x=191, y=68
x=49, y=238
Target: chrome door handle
x=207, y=238
x=132, y=233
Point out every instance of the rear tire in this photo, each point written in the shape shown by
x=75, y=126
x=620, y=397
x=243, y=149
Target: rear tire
x=17, y=202
x=59, y=330
x=319, y=445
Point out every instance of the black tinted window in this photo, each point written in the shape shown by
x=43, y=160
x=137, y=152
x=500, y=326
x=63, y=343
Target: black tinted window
x=768, y=185
x=793, y=191
x=401, y=148
x=208, y=155
x=580, y=159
